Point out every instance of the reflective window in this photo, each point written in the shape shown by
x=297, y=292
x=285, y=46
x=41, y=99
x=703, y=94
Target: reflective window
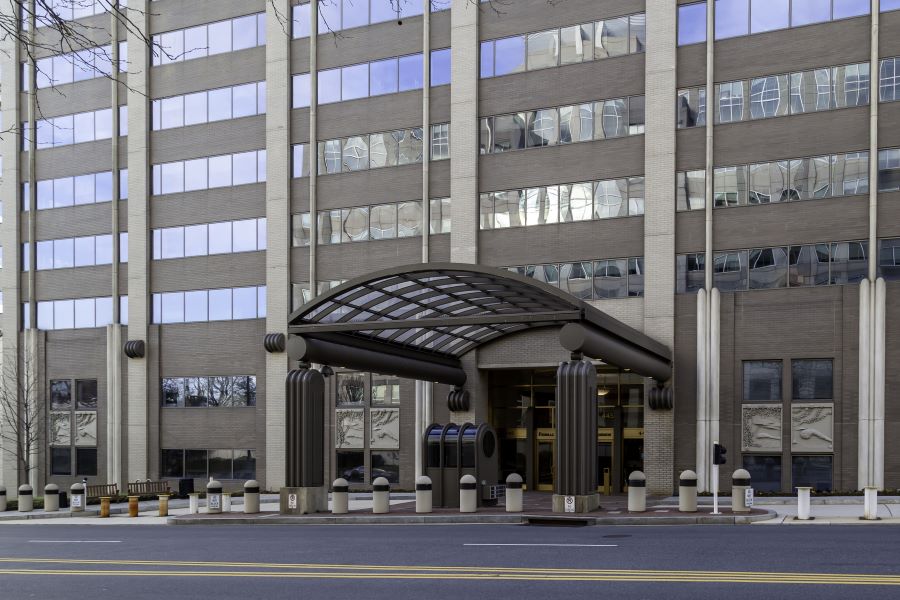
x=769, y=96
x=812, y=471
x=732, y=18
x=691, y=23
x=576, y=123
x=70, y=67
x=811, y=91
x=731, y=98
x=72, y=129
x=691, y=108
x=769, y=15
x=811, y=379
x=851, y=85
x=889, y=170
x=80, y=313
x=214, y=238
x=762, y=380
x=849, y=262
x=370, y=151
x=610, y=278
x=889, y=80
x=769, y=182
x=210, y=305
x=810, y=178
x=209, y=39
x=850, y=173
x=576, y=44
x=730, y=270
x=81, y=189
x=768, y=268
x=73, y=252
x=509, y=55
x=212, y=105
x=889, y=259
x=591, y=280
x=765, y=472
x=805, y=12
x=211, y=172
x=690, y=190
x=730, y=186
x=808, y=265
x=440, y=215
x=543, y=49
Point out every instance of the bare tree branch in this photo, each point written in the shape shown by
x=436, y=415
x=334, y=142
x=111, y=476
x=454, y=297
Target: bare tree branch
x=22, y=413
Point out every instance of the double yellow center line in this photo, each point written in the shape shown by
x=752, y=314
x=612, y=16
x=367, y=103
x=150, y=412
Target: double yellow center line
x=150, y=568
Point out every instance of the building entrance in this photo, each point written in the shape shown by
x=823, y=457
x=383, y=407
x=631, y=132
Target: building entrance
x=523, y=413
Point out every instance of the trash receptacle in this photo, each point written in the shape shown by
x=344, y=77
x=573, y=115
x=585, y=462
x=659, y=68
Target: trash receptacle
x=479, y=458
x=185, y=487
x=450, y=472
x=433, y=461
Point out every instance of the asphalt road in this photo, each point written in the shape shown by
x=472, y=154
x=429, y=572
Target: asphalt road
x=414, y=561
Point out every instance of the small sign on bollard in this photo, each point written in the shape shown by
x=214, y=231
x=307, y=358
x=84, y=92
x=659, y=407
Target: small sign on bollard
x=292, y=501
x=214, y=501
x=748, y=497
x=570, y=504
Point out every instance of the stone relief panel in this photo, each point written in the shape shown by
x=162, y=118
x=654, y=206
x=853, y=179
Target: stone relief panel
x=761, y=427
x=60, y=433
x=85, y=429
x=349, y=428
x=812, y=428
x=385, y=428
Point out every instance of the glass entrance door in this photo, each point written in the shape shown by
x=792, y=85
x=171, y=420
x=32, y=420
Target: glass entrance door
x=545, y=458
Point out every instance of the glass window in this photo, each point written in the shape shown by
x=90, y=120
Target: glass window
x=409, y=219
x=195, y=464
x=440, y=215
x=385, y=390
x=732, y=18
x=63, y=253
x=691, y=108
x=509, y=55
x=730, y=271
x=220, y=170
x=808, y=265
x=171, y=112
x=690, y=190
x=576, y=44
x=410, y=68
x=172, y=305
x=849, y=262
x=63, y=314
x=300, y=230
x=541, y=205
x=84, y=251
x=730, y=186
x=243, y=100
x=811, y=379
x=543, y=49
x=355, y=82
x=196, y=306
x=769, y=96
x=386, y=464
x=850, y=173
x=762, y=380
x=889, y=80
x=692, y=23
x=409, y=145
x=329, y=86
x=769, y=182
x=611, y=38
x=851, y=8
x=508, y=209
x=356, y=153
x=220, y=305
x=60, y=461
x=635, y=115
x=172, y=178
x=768, y=268
x=611, y=278
x=300, y=21
x=60, y=394
x=219, y=104
x=244, y=235
x=440, y=141
x=576, y=123
x=810, y=178
x=730, y=98
x=383, y=222
x=768, y=15
x=812, y=471
x=351, y=388
x=383, y=77
x=509, y=132
x=172, y=462
x=576, y=202
x=220, y=464
x=351, y=465
x=765, y=472
x=219, y=37
x=889, y=259
x=355, y=224
x=851, y=85
x=638, y=33
x=635, y=276
x=543, y=127
x=805, y=12
x=355, y=13
x=300, y=91
x=245, y=463
x=440, y=67
x=329, y=227
x=610, y=119
x=575, y=278
x=487, y=59
x=888, y=170
x=610, y=199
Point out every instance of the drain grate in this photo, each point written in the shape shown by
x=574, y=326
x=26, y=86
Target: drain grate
x=556, y=522
x=617, y=536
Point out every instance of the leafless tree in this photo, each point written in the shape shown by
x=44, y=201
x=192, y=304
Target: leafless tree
x=23, y=410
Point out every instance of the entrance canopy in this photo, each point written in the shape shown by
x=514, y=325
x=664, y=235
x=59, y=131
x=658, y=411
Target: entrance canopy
x=417, y=320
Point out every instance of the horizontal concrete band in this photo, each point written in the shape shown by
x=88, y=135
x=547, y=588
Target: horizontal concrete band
x=251, y=490
x=637, y=483
x=381, y=488
x=468, y=486
x=341, y=489
x=688, y=483
x=740, y=481
x=423, y=487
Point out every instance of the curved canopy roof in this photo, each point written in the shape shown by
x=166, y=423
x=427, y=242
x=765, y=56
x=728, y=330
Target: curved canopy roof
x=447, y=309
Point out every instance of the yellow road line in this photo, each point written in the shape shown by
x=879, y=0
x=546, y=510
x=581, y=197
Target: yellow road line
x=440, y=569
x=687, y=577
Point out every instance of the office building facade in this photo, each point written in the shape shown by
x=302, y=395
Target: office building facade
x=720, y=178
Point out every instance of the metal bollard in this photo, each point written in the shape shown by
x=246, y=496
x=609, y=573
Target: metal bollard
x=2, y=498
x=104, y=507
x=26, y=498
x=133, y=506
x=637, y=492
x=340, y=497
x=76, y=504
x=468, y=494
x=424, y=502
x=194, y=503
x=163, y=505
x=740, y=483
x=51, y=498
x=803, y=503
x=381, y=496
x=251, y=497
x=870, y=507
x=687, y=491
x=226, y=502
x=514, y=493
x=213, y=497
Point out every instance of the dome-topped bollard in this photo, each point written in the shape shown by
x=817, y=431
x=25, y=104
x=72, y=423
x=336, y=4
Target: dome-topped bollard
x=687, y=491
x=381, y=496
x=637, y=492
x=340, y=497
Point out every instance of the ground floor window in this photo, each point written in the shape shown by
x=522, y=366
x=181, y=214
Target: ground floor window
x=218, y=463
x=351, y=465
x=812, y=471
x=765, y=472
x=72, y=427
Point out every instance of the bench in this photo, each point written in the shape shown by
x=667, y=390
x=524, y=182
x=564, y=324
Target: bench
x=105, y=490
x=148, y=488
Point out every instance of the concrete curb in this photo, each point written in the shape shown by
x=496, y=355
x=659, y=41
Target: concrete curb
x=37, y=515
x=471, y=519
x=790, y=500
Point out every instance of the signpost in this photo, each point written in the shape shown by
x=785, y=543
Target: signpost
x=718, y=459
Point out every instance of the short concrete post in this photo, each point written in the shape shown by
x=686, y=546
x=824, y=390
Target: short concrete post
x=104, y=507
x=51, y=498
x=251, y=497
x=468, y=494
x=740, y=483
x=870, y=507
x=226, y=502
x=687, y=492
x=163, y=505
x=26, y=498
x=381, y=496
x=423, y=494
x=133, y=506
x=213, y=497
x=78, y=499
x=513, y=492
x=340, y=497
x=803, y=503
x=2, y=498
x=194, y=503
x=637, y=492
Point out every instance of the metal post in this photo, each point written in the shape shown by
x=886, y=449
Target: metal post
x=715, y=488
x=803, y=503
